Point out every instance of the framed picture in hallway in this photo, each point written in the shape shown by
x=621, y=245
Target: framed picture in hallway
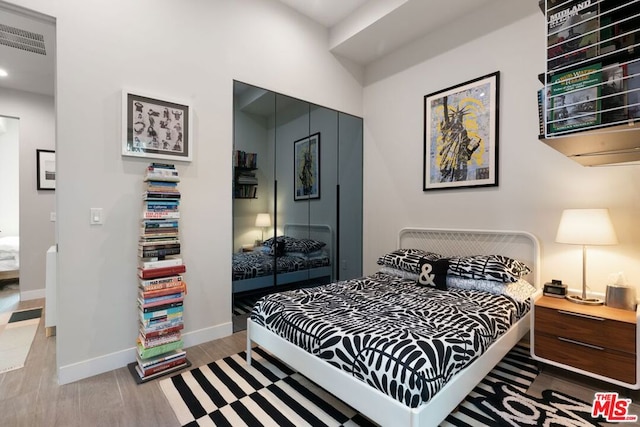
x=306, y=168
x=156, y=127
x=46, y=169
x=461, y=135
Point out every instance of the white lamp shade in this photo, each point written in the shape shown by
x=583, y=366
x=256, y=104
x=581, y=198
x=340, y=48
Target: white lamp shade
x=263, y=220
x=586, y=227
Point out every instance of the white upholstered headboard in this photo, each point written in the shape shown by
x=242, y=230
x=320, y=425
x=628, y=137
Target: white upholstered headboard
x=520, y=245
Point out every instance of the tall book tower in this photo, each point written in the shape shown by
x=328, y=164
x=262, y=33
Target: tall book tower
x=161, y=286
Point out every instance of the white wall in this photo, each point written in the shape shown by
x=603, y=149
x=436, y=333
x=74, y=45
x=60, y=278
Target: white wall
x=188, y=50
x=37, y=232
x=9, y=176
x=536, y=182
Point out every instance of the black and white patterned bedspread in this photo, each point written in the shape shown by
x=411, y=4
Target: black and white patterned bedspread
x=247, y=265
x=398, y=337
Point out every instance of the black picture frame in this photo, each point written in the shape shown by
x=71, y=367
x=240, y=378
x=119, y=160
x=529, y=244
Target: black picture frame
x=461, y=147
x=156, y=127
x=306, y=168
x=46, y=169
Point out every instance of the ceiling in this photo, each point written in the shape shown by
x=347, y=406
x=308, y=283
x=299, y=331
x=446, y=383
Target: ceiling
x=27, y=51
x=326, y=12
x=366, y=30
x=360, y=30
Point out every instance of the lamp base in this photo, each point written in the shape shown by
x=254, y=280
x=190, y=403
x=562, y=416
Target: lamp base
x=584, y=301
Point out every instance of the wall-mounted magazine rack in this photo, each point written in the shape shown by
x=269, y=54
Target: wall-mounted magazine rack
x=589, y=107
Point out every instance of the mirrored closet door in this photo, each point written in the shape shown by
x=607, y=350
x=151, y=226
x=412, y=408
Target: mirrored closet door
x=297, y=187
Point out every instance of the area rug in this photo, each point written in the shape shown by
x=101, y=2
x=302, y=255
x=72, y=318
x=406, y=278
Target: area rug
x=17, y=330
x=510, y=406
x=228, y=393
x=244, y=304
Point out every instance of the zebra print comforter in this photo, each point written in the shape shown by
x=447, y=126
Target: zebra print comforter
x=247, y=265
x=403, y=339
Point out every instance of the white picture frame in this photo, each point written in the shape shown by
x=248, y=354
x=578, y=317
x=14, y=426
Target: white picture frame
x=156, y=127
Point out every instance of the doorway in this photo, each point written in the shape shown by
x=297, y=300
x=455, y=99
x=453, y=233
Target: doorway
x=9, y=213
x=27, y=103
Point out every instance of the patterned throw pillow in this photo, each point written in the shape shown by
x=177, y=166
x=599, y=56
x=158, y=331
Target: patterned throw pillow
x=497, y=268
x=520, y=290
x=407, y=259
x=433, y=274
x=291, y=244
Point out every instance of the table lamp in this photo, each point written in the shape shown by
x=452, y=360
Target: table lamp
x=586, y=227
x=263, y=220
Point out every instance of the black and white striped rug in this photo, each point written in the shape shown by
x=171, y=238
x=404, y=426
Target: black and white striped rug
x=228, y=393
x=244, y=304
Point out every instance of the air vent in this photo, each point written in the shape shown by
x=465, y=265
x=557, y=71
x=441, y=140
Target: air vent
x=22, y=39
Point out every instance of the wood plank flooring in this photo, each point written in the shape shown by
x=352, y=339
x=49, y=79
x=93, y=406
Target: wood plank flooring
x=32, y=397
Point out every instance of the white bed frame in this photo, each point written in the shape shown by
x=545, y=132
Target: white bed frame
x=374, y=404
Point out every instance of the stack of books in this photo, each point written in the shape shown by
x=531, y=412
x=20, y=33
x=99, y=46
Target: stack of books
x=162, y=172
x=242, y=159
x=161, y=285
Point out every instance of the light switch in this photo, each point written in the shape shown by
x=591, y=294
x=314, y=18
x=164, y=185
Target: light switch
x=96, y=216
x=52, y=216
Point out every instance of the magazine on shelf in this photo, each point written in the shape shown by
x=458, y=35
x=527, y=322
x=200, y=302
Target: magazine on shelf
x=575, y=98
x=573, y=32
x=613, y=93
x=633, y=89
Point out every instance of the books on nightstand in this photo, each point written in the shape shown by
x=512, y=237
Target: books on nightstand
x=161, y=286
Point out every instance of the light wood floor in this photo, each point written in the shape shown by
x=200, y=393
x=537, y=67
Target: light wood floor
x=31, y=396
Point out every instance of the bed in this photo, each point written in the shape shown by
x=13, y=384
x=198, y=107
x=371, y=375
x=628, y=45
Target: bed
x=9, y=258
x=471, y=343
x=255, y=270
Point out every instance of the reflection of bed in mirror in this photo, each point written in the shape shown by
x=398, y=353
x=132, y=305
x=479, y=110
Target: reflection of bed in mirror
x=255, y=270
x=9, y=258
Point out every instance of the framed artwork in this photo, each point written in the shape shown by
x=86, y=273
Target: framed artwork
x=306, y=168
x=156, y=128
x=461, y=135
x=46, y=169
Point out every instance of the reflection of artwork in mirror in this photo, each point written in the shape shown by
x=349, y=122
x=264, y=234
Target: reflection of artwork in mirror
x=306, y=159
x=46, y=161
x=155, y=128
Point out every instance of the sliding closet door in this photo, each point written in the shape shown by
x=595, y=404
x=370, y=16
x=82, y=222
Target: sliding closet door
x=350, y=200
x=306, y=182
x=291, y=210
x=254, y=151
x=323, y=202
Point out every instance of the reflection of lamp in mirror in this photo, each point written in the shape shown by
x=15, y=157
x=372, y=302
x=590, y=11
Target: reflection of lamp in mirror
x=263, y=220
x=586, y=227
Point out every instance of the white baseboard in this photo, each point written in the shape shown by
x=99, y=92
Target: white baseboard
x=98, y=365
x=108, y=362
x=29, y=295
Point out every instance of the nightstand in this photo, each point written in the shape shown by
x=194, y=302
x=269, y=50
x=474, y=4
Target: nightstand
x=598, y=341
